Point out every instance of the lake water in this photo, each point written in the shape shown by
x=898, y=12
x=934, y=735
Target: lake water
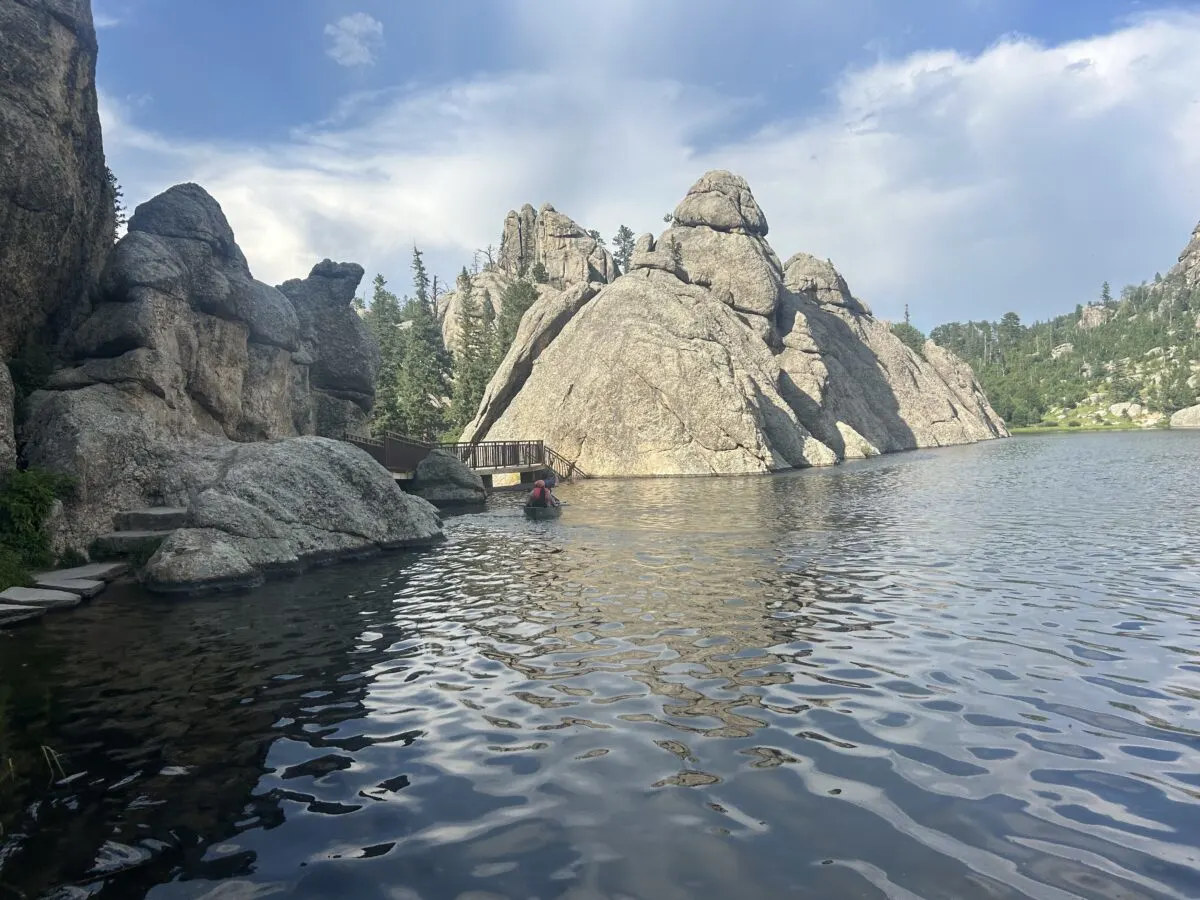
x=964, y=673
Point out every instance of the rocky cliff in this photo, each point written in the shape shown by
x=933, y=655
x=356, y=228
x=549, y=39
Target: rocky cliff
x=183, y=362
x=1188, y=267
x=56, y=210
x=570, y=255
x=710, y=356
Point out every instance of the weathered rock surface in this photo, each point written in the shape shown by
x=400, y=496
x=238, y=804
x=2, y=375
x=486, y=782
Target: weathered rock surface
x=185, y=361
x=1188, y=267
x=1093, y=316
x=572, y=258
x=281, y=505
x=539, y=326
x=8, y=444
x=444, y=480
x=56, y=210
x=711, y=357
x=1186, y=418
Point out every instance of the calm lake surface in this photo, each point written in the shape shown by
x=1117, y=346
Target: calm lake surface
x=963, y=673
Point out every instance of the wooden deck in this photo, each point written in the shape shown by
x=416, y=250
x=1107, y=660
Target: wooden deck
x=401, y=455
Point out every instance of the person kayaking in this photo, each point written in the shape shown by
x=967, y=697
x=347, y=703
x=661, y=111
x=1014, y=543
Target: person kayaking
x=541, y=495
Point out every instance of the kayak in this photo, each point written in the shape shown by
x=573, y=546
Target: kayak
x=543, y=512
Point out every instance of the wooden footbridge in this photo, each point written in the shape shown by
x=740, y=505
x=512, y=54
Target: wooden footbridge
x=401, y=455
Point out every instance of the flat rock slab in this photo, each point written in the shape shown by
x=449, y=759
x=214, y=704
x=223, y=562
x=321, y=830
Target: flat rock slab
x=22, y=596
x=102, y=571
x=155, y=518
x=11, y=613
x=84, y=587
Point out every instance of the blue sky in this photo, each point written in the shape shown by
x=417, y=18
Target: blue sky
x=965, y=157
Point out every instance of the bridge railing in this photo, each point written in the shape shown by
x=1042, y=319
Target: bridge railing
x=392, y=451
x=499, y=454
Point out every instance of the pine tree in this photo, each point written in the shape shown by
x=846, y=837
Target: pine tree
x=623, y=242
x=420, y=277
x=383, y=318
x=518, y=297
x=422, y=378
x=473, y=362
x=1106, y=294
x=595, y=236
x=539, y=273
x=118, y=200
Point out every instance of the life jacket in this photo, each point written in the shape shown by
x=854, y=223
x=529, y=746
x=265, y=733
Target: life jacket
x=540, y=496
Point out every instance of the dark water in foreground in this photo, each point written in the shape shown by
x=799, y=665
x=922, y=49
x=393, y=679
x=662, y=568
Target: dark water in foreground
x=970, y=673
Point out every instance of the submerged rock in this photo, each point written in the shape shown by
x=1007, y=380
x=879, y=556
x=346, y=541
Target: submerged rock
x=709, y=356
x=444, y=480
x=281, y=505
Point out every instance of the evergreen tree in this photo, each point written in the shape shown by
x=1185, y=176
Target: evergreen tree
x=473, y=362
x=595, y=236
x=539, y=273
x=422, y=378
x=1105, y=294
x=623, y=243
x=118, y=201
x=420, y=277
x=383, y=318
x=518, y=297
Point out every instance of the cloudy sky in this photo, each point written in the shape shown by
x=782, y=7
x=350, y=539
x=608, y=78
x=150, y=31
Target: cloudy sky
x=964, y=157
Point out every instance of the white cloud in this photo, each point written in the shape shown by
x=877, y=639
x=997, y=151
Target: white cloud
x=354, y=39
x=962, y=185
x=104, y=20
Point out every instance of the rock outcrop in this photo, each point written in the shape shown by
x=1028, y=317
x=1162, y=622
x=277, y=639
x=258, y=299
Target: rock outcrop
x=56, y=206
x=1186, y=418
x=1093, y=316
x=185, y=361
x=281, y=505
x=445, y=481
x=1188, y=267
x=570, y=255
x=710, y=356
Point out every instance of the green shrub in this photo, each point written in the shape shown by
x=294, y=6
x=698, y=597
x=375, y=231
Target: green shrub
x=1074, y=423
x=26, y=500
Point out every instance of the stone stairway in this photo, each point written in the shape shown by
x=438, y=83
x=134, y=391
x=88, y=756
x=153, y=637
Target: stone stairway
x=139, y=532
x=60, y=589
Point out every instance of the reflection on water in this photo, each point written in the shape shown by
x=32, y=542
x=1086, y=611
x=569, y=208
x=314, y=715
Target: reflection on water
x=969, y=673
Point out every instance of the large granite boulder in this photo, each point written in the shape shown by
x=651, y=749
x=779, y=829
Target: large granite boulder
x=444, y=480
x=185, y=356
x=1186, y=418
x=656, y=377
x=56, y=206
x=281, y=505
x=711, y=357
x=539, y=326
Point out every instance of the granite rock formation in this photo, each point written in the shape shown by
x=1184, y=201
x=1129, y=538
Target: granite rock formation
x=1186, y=418
x=56, y=206
x=1188, y=267
x=710, y=356
x=571, y=256
x=185, y=360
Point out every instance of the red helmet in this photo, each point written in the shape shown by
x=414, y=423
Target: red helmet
x=539, y=483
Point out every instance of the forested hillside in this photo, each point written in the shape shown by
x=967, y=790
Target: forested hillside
x=1126, y=360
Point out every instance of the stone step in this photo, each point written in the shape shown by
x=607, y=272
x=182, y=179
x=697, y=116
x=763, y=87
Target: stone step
x=38, y=597
x=84, y=587
x=98, y=571
x=127, y=543
x=153, y=518
x=12, y=613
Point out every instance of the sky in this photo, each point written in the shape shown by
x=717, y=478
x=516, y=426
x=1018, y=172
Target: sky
x=963, y=158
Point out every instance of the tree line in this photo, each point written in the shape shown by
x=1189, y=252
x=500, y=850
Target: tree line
x=1137, y=347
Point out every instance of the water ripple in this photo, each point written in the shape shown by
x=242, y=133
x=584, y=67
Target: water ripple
x=970, y=673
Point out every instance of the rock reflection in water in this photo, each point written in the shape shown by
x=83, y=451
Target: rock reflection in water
x=928, y=676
